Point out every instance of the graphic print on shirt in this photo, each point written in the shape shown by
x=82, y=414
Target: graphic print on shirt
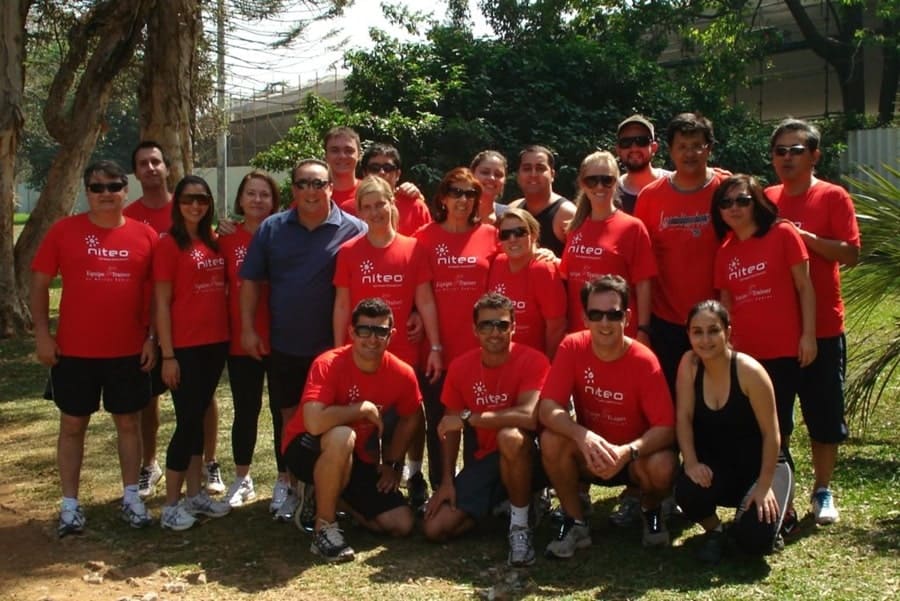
x=694, y=223
x=371, y=276
x=104, y=267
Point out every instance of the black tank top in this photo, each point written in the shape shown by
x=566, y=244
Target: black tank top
x=548, y=238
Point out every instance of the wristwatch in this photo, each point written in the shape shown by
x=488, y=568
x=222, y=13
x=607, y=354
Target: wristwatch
x=397, y=466
x=464, y=415
x=635, y=453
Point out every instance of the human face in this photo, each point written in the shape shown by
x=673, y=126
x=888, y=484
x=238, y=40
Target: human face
x=385, y=168
x=791, y=168
x=600, y=195
x=636, y=157
x=459, y=208
x=491, y=339
x=708, y=335
x=606, y=335
x=342, y=154
x=690, y=153
x=492, y=175
x=535, y=176
x=194, y=211
x=150, y=168
x=376, y=210
x=312, y=203
x=105, y=202
x=368, y=345
x=516, y=245
x=738, y=216
x=256, y=200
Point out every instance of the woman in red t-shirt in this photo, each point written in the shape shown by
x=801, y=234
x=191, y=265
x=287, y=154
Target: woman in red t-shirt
x=489, y=167
x=192, y=324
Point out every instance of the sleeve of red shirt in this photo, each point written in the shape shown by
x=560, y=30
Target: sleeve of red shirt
x=165, y=260
x=451, y=394
x=656, y=401
x=551, y=292
x=794, y=249
x=719, y=269
x=320, y=383
x=410, y=398
x=642, y=211
x=421, y=266
x=643, y=261
x=843, y=219
x=559, y=382
x=46, y=260
x=563, y=261
x=342, y=267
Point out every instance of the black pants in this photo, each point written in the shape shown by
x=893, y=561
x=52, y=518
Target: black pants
x=246, y=376
x=434, y=412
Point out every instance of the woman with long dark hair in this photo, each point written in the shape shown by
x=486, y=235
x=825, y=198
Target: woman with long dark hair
x=490, y=167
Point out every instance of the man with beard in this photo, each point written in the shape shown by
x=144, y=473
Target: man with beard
x=635, y=146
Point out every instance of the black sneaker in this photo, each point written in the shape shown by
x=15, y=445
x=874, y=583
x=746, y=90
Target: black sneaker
x=790, y=524
x=329, y=544
x=655, y=532
x=713, y=547
x=418, y=490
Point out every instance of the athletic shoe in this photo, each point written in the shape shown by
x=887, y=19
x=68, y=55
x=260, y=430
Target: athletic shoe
x=203, y=504
x=136, y=515
x=670, y=507
x=286, y=512
x=558, y=515
x=572, y=535
x=240, y=492
x=823, y=507
x=305, y=515
x=713, y=547
x=417, y=490
x=329, y=544
x=214, y=482
x=521, y=549
x=627, y=513
x=655, y=533
x=176, y=517
x=280, y=493
x=148, y=479
x=540, y=507
x=71, y=521
x=790, y=524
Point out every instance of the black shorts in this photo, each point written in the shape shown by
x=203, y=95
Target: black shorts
x=621, y=478
x=479, y=486
x=822, y=392
x=785, y=375
x=287, y=377
x=157, y=386
x=669, y=342
x=77, y=385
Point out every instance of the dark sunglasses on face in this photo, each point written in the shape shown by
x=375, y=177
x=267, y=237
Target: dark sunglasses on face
x=367, y=331
x=486, y=326
x=459, y=193
x=201, y=199
x=317, y=184
x=376, y=168
x=98, y=188
x=795, y=150
x=518, y=232
x=629, y=141
x=741, y=200
x=591, y=181
x=611, y=315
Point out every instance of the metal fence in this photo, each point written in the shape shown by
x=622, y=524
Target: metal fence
x=873, y=149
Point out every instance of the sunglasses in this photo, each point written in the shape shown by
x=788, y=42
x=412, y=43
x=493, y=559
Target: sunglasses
x=517, y=232
x=611, y=315
x=795, y=150
x=366, y=331
x=375, y=168
x=486, y=326
x=98, y=188
x=459, y=193
x=317, y=184
x=629, y=141
x=741, y=200
x=591, y=181
x=201, y=199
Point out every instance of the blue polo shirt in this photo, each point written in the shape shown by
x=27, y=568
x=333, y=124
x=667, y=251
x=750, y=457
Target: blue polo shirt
x=299, y=265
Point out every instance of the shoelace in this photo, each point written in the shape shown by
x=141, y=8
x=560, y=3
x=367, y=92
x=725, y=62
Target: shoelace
x=332, y=535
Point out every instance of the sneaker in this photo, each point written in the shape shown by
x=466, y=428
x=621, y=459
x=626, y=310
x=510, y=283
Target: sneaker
x=823, y=507
x=240, y=492
x=571, y=536
x=540, y=507
x=305, y=515
x=71, y=521
x=280, y=493
x=655, y=532
x=627, y=513
x=417, y=490
x=176, y=517
x=136, y=515
x=790, y=524
x=286, y=512
x=521, y=549
x=670, y=508
x=713, y=547
x=329, y=544
x=558, y=515
x=203, y=504
x=148, y=479
x=214, y=482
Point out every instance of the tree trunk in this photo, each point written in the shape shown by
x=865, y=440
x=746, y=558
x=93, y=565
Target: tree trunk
x=14, y=316
x=887, y=94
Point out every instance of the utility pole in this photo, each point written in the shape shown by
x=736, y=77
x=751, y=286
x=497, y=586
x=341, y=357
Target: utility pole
x=222, y=138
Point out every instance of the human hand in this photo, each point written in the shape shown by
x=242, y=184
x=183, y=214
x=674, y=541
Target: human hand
x=449, y=423
x=699, y=473
x=415, y=327
x=446, y=493
x=47, y=350
x=808, y=349
x=171, y=373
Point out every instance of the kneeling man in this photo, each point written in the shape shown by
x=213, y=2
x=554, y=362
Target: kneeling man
x=624, y=425
x=491, y=395
x=356, y=398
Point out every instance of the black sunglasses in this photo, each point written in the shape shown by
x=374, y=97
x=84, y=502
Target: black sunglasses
x=98, y=188
x=201, y=199
x=629, y=141
x=795, y=150
x=375, y=168
x=741, y=200
x=611, y=315
x=317, y=184
x=591, y=181
x=518, y=232
x=486, y=326
x=459, y=193
x=366, y=331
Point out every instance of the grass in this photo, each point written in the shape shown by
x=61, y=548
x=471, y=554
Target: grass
x=248, y=556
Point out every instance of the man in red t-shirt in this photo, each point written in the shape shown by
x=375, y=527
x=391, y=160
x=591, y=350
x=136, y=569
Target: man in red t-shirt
x=102, y=347
x=491, y=395
x=824, y=217
x=360, y=408
x=342, y=150
x=624, y=424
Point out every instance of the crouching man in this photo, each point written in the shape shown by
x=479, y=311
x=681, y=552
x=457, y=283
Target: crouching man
x=359, y=410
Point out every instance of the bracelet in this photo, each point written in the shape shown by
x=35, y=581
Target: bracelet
x=172, y=358
x=436, y=348
x=151, y=337
x=397, y=466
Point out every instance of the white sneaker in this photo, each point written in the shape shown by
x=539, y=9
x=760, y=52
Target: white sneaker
x=214, y=482
x=148, y=479
x=135, y=514
x=176, y=517
x=571, y=536
x=203, y=504
x=240, y=492
x=280, y=493
x=285, y=513
x=71, y=521
x=823, y=507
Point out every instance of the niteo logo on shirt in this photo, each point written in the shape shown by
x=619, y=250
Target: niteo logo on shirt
x=485, y=399
x=445, y=258
x=577, y=248
x=597, y=391
x=203, y=262
x=520, y=305
x=95, y=250
x=737, y=271
x=370, y=276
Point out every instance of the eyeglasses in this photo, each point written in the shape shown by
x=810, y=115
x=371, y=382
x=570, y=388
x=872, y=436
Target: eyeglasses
x=98, y=188
x=486, y=326
x=367, y=331
x=694, y=149
x=317, y=184
x=795, y=150
x=518, y=232
x=741, y=200
x=611, y=315
x=459, y=193
x=376, y=168
x=629, y=141
x=201, y=199
x=591, y=181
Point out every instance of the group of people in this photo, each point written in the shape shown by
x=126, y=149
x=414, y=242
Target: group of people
x=659, y=314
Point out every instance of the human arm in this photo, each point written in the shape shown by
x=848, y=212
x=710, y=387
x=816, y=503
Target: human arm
x=226, y=227
x=415, y=327
x=596, y=450
x=428, y=311
x=698, y=472
x=807, y=350
x=642, y=298
x=446, y=491
x=341, y=316
x=39, y=300
x=171, y=372
x=521, y=415
x=561, y=220
x=833, y=250
x=250, y=339
x=407, y=426
x=554, y=332
x=319, y=418
x=757, y=386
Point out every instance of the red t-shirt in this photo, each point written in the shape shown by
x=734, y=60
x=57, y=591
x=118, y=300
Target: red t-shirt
x=392, y=273
x=199, y=307
x=471, y=385
x=412, y=211
x=826, y=210
x=538, y=294
x=104, y=271
x=684, y=244
x=159, y=219
x=618, y=245
x=334, y=379
x=234, y=248
x=346, y=199
x=619, y=400
x=765, y=313
x=460, y=263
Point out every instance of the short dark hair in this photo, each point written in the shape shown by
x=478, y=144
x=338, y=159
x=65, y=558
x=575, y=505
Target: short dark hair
x=765, y=213
x=690, y=123
x=813, y=136
x=714, y=307
x=260, y=175
x=459, y=173
x=379, y=149
x=305, y=162
x=107, y=168
x=538, y=149
x=178, y=231
x=341, y=130
x=494, y=300
x=372, y=307
x=489, y=154
x=605, y=283
x=147, y=144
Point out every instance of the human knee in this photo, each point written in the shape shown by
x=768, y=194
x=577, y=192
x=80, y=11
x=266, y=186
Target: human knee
x=73, y=426
x=398, y=522
x=339, y=439
x=554, y=446
x=657, y=471
x=511, y=442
